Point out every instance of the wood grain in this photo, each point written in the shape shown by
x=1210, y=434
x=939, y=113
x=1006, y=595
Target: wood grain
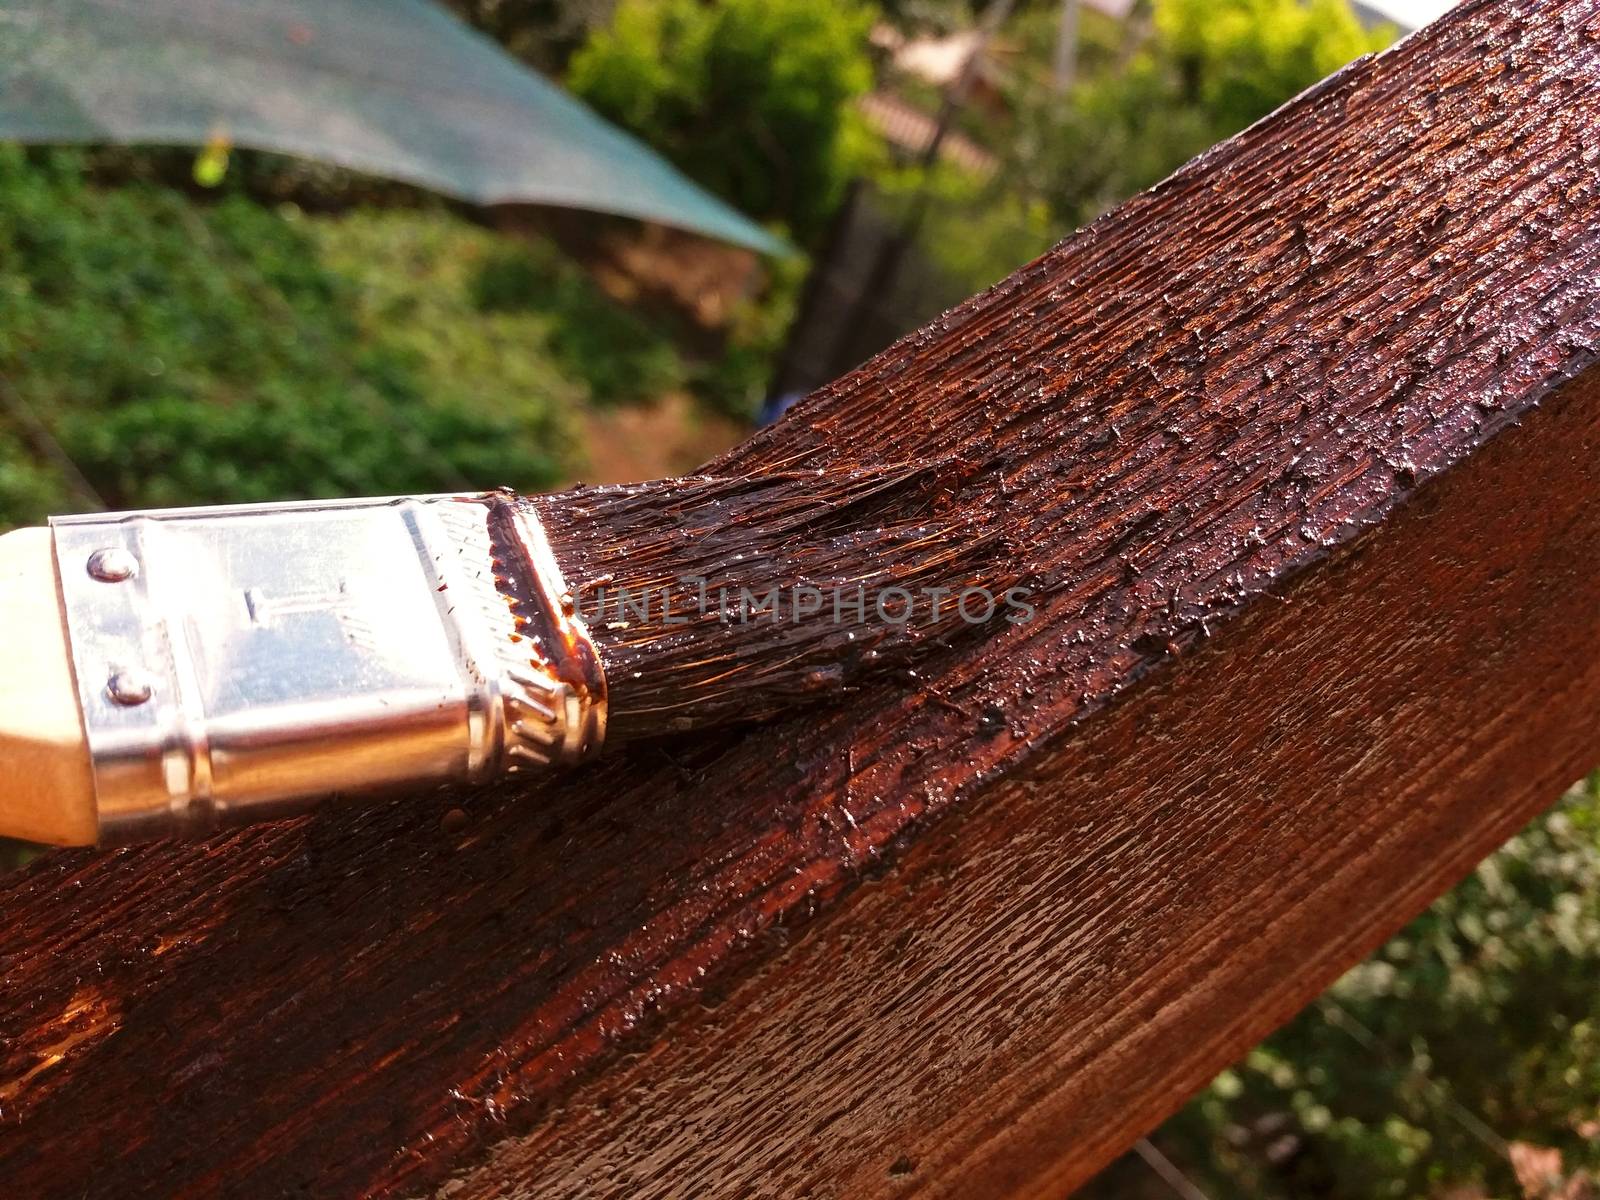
x=1300, y=453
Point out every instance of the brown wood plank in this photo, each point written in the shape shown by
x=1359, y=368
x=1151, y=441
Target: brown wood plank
x=1300, y=451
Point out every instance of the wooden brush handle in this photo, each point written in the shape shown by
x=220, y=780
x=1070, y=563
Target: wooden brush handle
x=48, y=793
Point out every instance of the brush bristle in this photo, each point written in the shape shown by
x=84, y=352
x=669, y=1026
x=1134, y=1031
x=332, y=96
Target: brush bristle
x=671, y=576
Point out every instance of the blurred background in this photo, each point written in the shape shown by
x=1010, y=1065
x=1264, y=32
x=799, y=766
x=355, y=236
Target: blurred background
x=257, y=249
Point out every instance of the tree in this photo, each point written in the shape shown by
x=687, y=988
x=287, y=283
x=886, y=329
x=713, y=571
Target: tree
x=1210, y=69
x=752, y=98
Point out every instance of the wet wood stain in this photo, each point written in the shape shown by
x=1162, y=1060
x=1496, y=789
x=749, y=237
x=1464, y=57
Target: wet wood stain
x=1302, y=449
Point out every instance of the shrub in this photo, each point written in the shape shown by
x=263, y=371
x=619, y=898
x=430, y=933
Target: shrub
x=752, y=98
x=620, y=357
x=193, y=353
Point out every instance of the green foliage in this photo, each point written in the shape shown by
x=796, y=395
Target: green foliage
x=185, y=353
x=1036, y=28
x=28, y=488
x=736, y=382
x=975, y=231
x=752, y=98
x=1239, y=60
x=543, y=33
x=1211, y=68
x=1479, y=1021
x=1116, y=138
x=493, y=319
x=619, y=356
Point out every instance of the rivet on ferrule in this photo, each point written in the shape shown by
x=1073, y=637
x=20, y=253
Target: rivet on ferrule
x=130, y=686
x=112, y=564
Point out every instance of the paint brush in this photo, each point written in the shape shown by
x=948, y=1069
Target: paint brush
x=173, y=671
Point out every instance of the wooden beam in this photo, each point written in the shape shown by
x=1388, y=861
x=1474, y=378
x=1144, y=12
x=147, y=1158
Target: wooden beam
x=1300, y=450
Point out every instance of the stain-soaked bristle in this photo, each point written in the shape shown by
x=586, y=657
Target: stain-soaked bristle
x=674, y=580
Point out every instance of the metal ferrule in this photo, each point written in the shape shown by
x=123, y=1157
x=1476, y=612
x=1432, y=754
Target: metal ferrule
x=238, y=662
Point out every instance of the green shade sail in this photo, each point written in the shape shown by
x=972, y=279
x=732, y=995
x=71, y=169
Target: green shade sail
x=396, y=88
